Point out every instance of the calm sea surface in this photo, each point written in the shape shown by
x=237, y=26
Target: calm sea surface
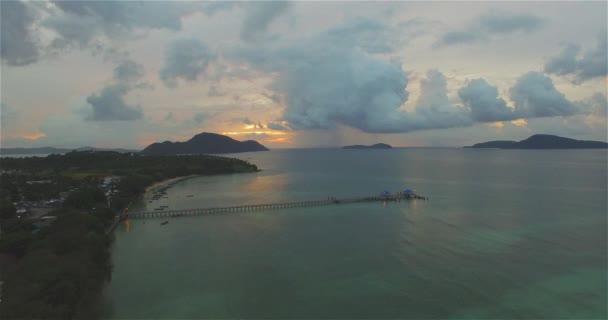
x=505, y=234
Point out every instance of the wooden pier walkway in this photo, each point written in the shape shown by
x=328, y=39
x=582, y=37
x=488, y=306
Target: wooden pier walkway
x=267, y=206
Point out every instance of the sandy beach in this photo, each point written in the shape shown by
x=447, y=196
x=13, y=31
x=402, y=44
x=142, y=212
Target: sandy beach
x=161, y=184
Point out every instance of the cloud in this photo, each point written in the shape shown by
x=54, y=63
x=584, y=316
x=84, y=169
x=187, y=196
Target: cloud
x=214, y=92
x=325, y=84
x=247, y=121
x=565, y=62
x=169, y=117
x=81, y=25
x=73, y=31
x=128, y=71
x=489, y=26
x=345, y=87
x=125, y=16
x=505, y=23
x=200, y=117
x=370, y=35
x=18, y=45
x=8, y=118
x=535, y=95
x=185, y=59
x=459, y=37
x=433, y=108
x=599, y=105
x=276, y=126
x=483, y=102
x=255, y=124
x=212, y=7
x=259, y=15
x=596, y=105
x=60, y=132
x=592, y=64
x=109, y=105
x=7, y=112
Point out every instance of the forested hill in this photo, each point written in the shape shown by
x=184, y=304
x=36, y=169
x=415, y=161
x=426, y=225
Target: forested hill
x=543, y=141
x=374, y=146
x=203, y=143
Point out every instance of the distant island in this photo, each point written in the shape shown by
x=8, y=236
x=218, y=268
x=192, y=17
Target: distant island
x=53, y=150
x=373, y=146
x=203, y=143
x=543, y=141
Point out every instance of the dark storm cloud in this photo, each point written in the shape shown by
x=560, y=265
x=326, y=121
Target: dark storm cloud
x=109, y=105
x=483, y=102
x=185, y=59
x=491, y=25
x=259, y=15
x=592, y=64
x=18, y=45
x=535, y=95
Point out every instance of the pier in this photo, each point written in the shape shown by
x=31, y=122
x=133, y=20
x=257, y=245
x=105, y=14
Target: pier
x=266, y=206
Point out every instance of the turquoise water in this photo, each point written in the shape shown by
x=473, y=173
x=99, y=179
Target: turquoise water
x=505, y=234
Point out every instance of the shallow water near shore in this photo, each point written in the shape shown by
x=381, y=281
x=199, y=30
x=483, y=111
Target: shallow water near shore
x=505, y=234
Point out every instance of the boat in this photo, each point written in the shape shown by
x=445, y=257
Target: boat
x=164, y=223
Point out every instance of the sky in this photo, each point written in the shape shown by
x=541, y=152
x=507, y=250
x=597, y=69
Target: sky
x=301, y=74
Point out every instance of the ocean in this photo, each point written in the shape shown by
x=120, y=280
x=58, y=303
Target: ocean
x=505, y=234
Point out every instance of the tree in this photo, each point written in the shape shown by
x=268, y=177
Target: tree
x=7, y=210
x=85, y=198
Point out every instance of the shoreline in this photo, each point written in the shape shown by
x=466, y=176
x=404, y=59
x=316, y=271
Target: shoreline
x=163, y=183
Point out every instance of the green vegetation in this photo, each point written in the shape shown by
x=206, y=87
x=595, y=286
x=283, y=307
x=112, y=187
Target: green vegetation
x=102, y=163
x=60, y=268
